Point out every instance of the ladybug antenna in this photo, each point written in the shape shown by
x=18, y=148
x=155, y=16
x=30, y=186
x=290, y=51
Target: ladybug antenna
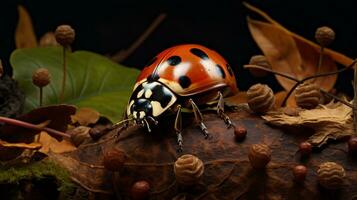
x=147, y=125
x=153, y=120
x=121, y=122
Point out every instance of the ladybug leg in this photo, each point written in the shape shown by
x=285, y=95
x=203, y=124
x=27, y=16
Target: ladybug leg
x=178, y=128
x=220, y=111
x=199, y=118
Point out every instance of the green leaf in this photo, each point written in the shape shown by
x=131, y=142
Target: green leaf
x=92, y=80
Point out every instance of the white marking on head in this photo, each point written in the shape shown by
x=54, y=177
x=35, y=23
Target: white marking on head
x=135, y=114
x=129, y=107
x=148, y=93
x=141, y=114
x=140, y=93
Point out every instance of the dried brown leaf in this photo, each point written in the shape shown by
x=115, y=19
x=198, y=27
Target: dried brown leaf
x=293, y=57
x=332, y=121
x=51, y=144
x=336, y=56
x=24, y=35
x=33, y=145
x=85, y=116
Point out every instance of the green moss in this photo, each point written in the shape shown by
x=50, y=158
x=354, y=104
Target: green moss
x=37, y=171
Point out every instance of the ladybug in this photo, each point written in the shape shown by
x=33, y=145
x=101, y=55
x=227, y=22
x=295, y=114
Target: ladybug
x=184, y=76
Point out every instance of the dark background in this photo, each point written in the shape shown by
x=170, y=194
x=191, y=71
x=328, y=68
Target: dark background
x=108, y=26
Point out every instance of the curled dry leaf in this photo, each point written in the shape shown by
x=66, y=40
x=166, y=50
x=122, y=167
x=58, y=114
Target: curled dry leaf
x=85, y=116
x=51, y=144
x=331, y=121
x=24, y=35
x=292, y=54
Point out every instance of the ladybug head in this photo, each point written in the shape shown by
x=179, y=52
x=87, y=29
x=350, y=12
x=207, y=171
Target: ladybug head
x=141, y=111
x=148, y=101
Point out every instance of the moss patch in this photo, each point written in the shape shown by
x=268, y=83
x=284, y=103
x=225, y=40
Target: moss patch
x=41, y=170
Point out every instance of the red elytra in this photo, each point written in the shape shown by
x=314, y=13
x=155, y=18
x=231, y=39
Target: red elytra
x=203, y=68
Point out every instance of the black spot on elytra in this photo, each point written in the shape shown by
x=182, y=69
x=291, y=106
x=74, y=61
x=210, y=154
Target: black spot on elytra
x=151, y=62
x=199, y=53
x=184, y=81
x=230, y=70
x=221, y=71
x=174, y=60
x=153, y=77
x=162, y=95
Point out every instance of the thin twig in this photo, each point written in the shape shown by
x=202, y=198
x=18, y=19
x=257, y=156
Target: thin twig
x=272, y=71
x=321, y=56
x=316, y=76
x=336, y=98
x=123, y=54
x=32, y=126
x=298, y=82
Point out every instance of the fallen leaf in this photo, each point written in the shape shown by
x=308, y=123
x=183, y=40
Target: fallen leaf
x=24, y=35
x=32, y=146
x=51, y=144
x=85, y=116
x=287, y=55
x=331, y=121
x=336, y=56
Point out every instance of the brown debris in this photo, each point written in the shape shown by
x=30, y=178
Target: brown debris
x=332, y=121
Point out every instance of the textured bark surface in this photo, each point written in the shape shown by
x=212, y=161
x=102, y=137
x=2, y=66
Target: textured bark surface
x=228, y=173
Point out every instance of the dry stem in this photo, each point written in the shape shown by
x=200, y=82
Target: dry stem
x=298, y=82
x=34, y=127
x=123, y=54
